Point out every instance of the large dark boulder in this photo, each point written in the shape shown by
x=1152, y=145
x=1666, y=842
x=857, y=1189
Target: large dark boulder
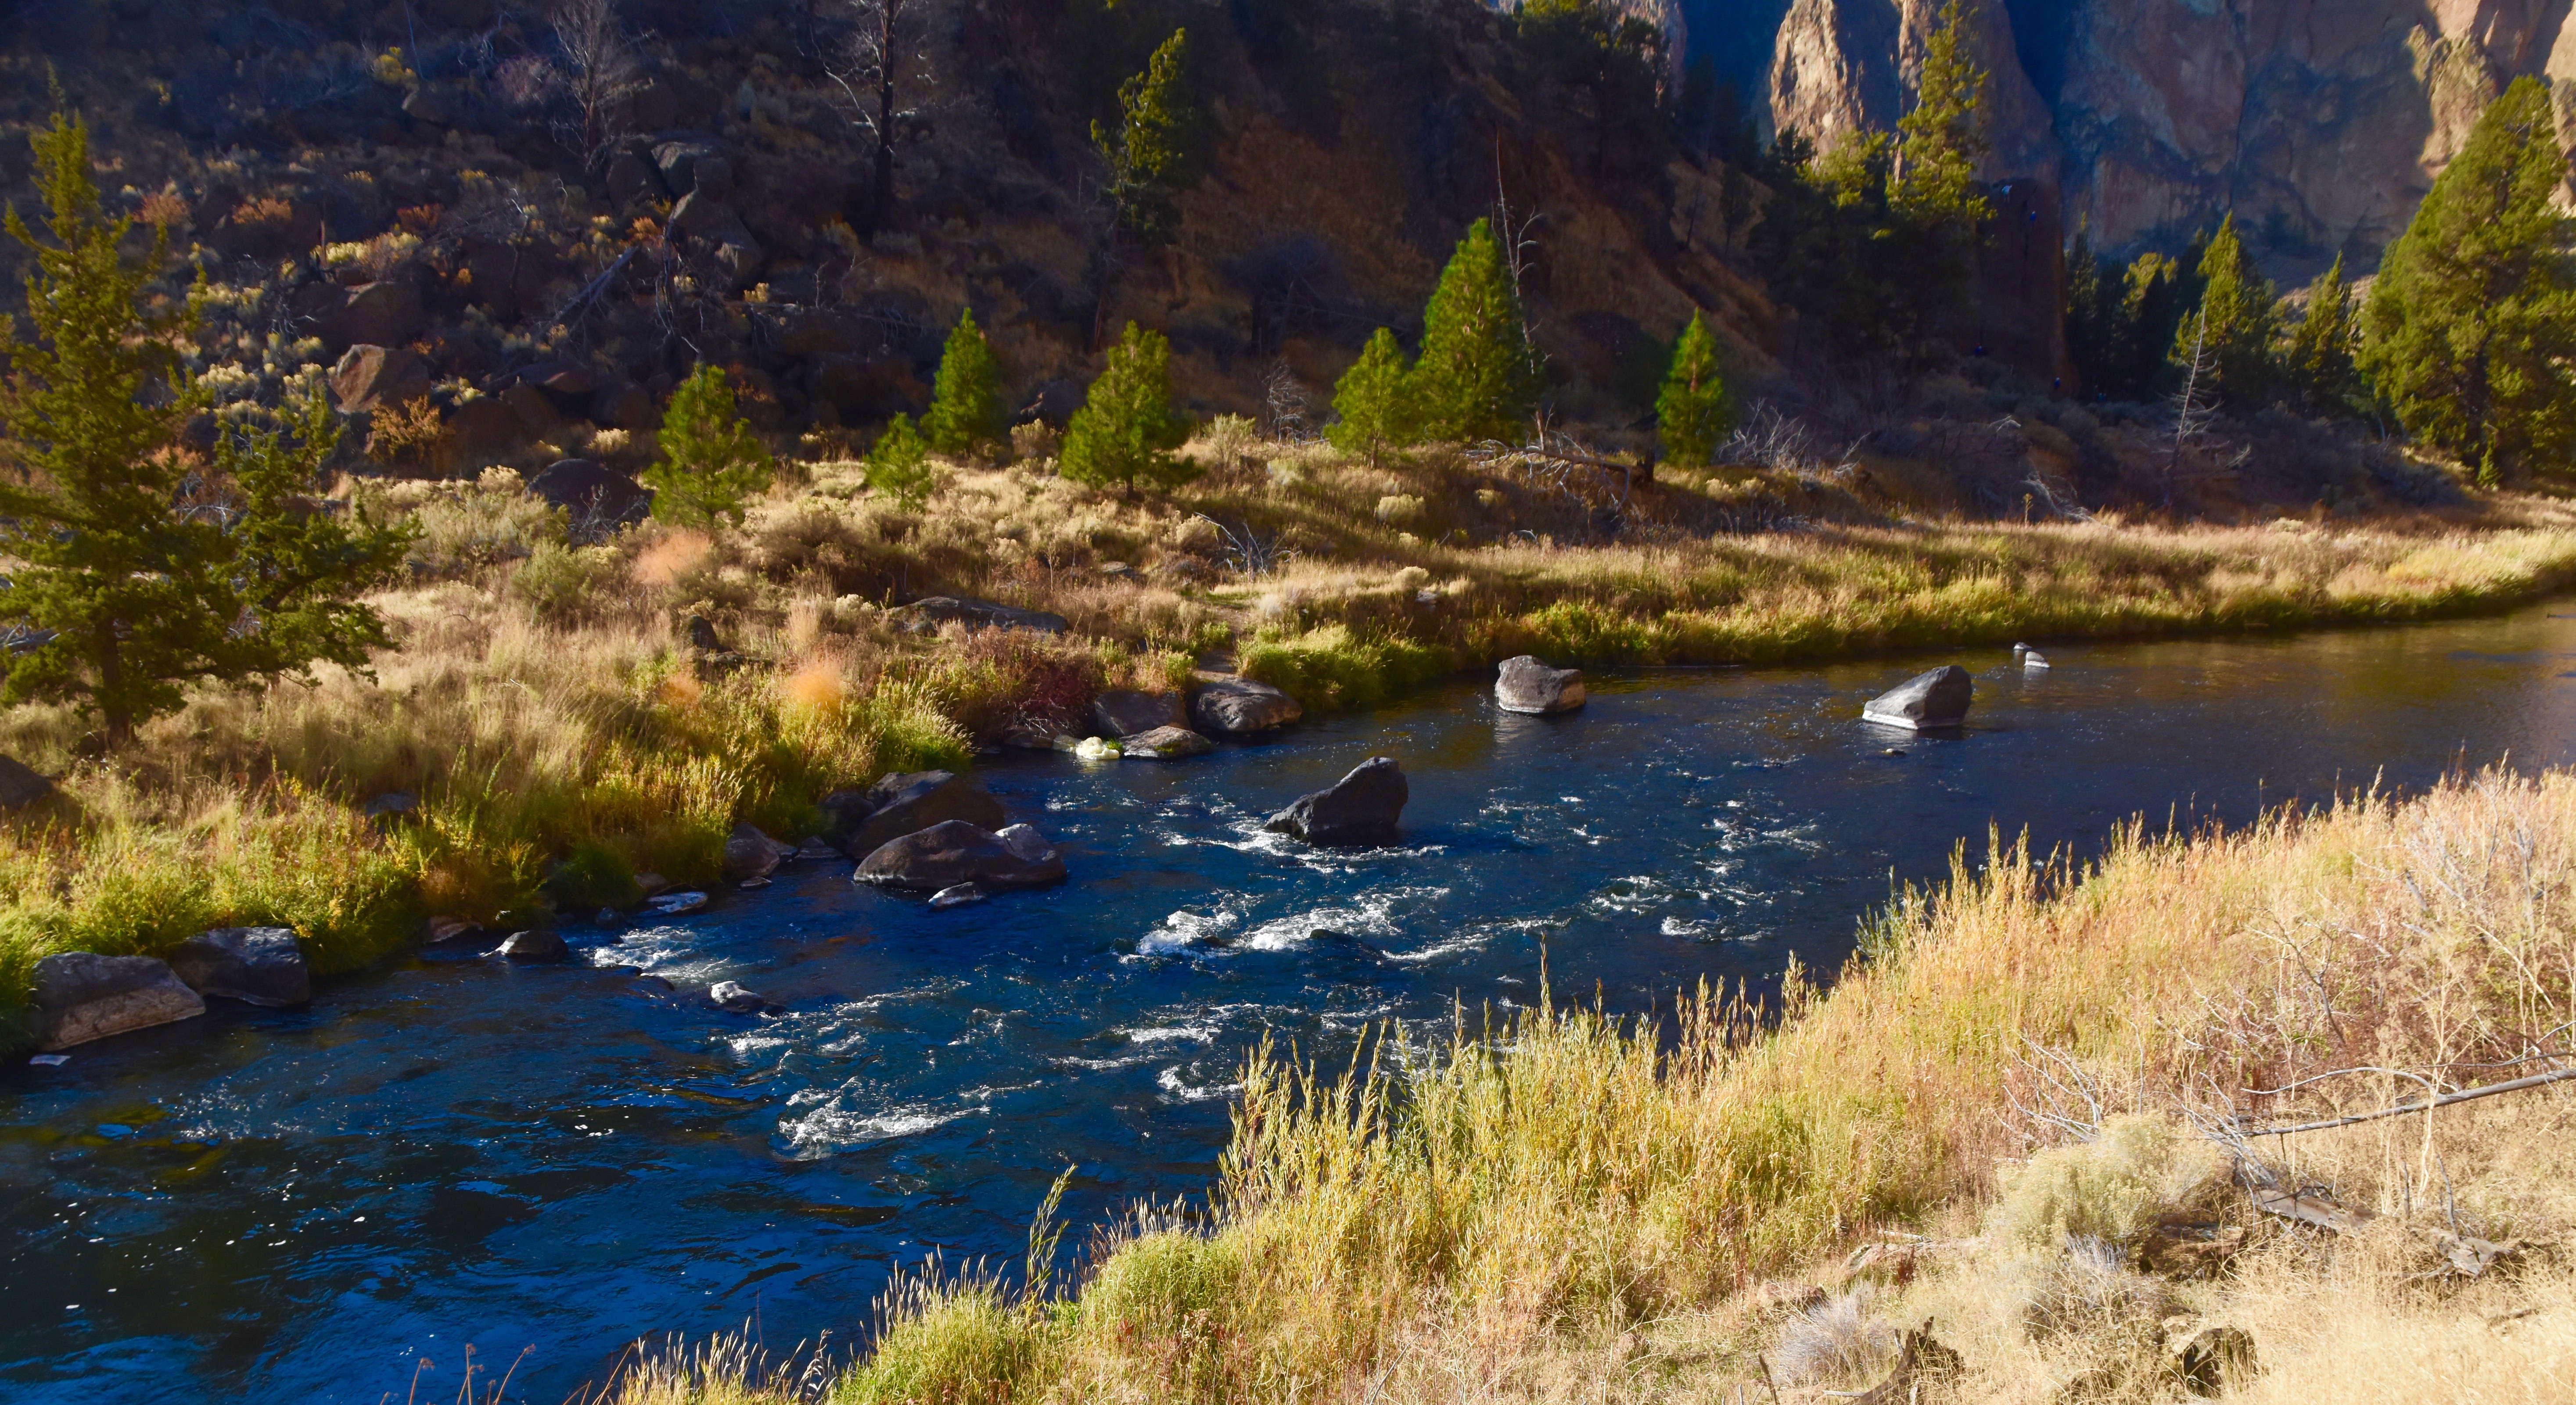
x=20, y=784
x=255, y=965
x=1526, y=685
x=749, y=854
x=716, y=227
x=1127, y=712
x=1939, y=698
x=1361, y=808
x=927, y=615
x=1233, y=707
x=592, y=493
x=857, y=821
x=954, y=852
x=1166, y=744
x=81, y=996
x=372, y=314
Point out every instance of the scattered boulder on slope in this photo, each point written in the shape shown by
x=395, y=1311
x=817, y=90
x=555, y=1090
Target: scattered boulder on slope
x=255, y=965
x=1938, y=698
x=592, y=493
x=1526, y=685
x=906, y=802
x=21, y=785
x=81, y=996
x=927, y=615
x=1360, y=808
x=955, y=852
x=1234, y=707
x=368, y=378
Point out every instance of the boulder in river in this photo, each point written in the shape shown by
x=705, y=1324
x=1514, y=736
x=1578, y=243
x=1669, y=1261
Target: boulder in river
x=737, y=998
x=749, y=854
x=534, y=946
x=1526, y=685
x=856, y=822
x=1360, y=808
x=81, y=996
x=1938, y=698
x=1166, y=744
x=954, y=852
x=1234, y=707
x=959, y=896
x=927, y=615
x=1125, y=712
x=255, y=965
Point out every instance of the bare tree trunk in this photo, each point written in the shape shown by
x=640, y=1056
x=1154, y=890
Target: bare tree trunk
x=888, y=11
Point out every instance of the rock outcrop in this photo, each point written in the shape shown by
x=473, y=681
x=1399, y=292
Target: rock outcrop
x=926, y=616
x=1126, y=712
x=255, y=965
x=857, y=821
x=749, y=854
x=1938, y=698
x=81, y=996
x=1236, y=707
x=1360, y=809
x=1526, y=685
x=953, y=853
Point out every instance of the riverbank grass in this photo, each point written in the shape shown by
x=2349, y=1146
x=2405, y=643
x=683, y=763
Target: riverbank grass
x=1557, y=1205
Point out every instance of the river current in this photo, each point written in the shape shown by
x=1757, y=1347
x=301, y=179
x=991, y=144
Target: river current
x=301, y=1205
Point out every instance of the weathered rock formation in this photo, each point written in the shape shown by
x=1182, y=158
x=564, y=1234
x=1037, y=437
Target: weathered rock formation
x=955, y=852
x=1360, y=808
x=857, y=821
x=255, y=965
x=81, y=996
x=1938, y=698
x=1234, y=707
x=1526, y=685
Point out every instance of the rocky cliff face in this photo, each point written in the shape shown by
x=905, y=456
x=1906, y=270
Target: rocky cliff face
x=2319, y=122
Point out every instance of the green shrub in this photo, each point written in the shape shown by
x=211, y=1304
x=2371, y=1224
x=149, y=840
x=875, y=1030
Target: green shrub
x=564, y=584
x=954, y=1343
x=2112, y=1188
x=593, y=876
x=1331, y=667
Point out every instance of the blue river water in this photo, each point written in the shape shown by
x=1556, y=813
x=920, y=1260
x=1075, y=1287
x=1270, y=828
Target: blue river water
x=548, y=1163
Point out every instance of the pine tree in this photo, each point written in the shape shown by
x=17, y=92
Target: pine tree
x=1477, y=377
x=2235, y=325
x=132, y=577
x=966, y=407
x=899, y=465
x=1126, y=429
x=712, y=463
x=1149, y=154
x=1942, y=140
x=2471, y=326
x=2142, y=326
x=1374, y=401
x=1695, y=412
x=2319, y=361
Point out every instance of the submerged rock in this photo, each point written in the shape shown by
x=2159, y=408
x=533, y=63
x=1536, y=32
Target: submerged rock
x=959, y=896
x=673, y=904
x=1526, y=685
x=81, y=996
x=1234, y=707
x=1938, y=698
x=736, y=998
x=955, y=852
x=534, y=946
x=255, y=965
x=856, y=822
x=1360, y=808
x=1167, y=744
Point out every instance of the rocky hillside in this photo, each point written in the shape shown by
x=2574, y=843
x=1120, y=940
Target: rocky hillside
x=540, y=232
x=2321, y=123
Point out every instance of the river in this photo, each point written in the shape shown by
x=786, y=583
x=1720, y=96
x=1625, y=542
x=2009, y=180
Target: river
x=301, y=1205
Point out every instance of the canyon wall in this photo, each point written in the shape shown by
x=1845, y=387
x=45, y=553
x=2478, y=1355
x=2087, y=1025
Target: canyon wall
x=2321, y=123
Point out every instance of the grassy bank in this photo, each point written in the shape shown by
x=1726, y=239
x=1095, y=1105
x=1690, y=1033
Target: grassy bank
x=561, y=734
x=1568, y=1207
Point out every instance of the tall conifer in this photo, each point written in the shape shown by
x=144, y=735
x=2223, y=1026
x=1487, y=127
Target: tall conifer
x=1126, y=430
x=1477, y=377
x=2471, y=327
x=1695, y=412
x=966, y=404
x=129, y=581
x=2319, y=360
x=2237, y=321
x=1373, y=400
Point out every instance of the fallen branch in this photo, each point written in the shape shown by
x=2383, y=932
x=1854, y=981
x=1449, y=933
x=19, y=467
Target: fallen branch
x=2490, y=1090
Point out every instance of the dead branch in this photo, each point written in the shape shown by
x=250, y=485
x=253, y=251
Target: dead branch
x=2490, y=1090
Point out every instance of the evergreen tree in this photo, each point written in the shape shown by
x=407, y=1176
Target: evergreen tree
x=1373, y=400
x=1942, y=140
x=2319, y=362
x=899, y=465
x=966, y=405
x=1126, y=429
x=712, y=463
x=1695, y=413
x=1149, y=155
x=2471, y=327
x=132, y=576
x=1477, y=377
x=2143, y=326
x=2236, y=323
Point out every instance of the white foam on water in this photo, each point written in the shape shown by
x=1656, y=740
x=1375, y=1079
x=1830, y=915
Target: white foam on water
x=1165, y=1034
x=1180, y=1089
x=1699, y=928
x=1185, y=929
x=836, y=1127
